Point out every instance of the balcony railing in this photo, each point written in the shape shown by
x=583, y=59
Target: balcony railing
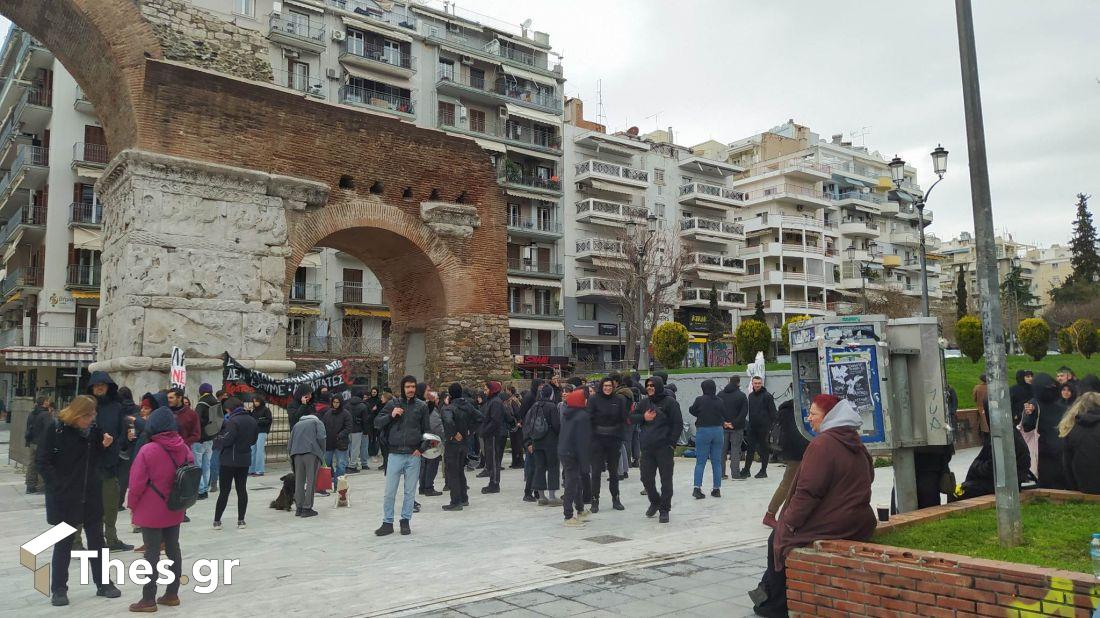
x=308, y=292
x=521, y=265
x=305, y=343
x=549, y=101
x=296, y=81
x=599, y=285
x=711, y=190
x=305, y=31
x=786, y=190
x=378, y=53
x=475, y=82
x=358, y=95
x=533, y=181
x=528, y=224
x=792, y=164
x=604, y=168
x=712, y=225
x=352, y=292
x=86, y=213
x=89, y=153
x=601, y=246
x=862, y=224
x=30, y=155
x=32, y=96
x=538, y=311
x=537, y=350
x=611, y=210
x=81, y=98
x=27, y=215
x=21, y=278
x=370, y=10
x=776, y=219
x=83, y=276
x=703, y=295
x=870, y=198
x=717, y=261
x=811, y=305
x=62, y=336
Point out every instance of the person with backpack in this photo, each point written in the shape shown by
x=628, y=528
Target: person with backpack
x=155, y=479
x=234, y=445
x=460, y=419
x=541, y=427
x=209, y=411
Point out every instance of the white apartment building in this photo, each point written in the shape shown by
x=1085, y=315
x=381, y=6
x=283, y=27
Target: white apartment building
x=1044, y=268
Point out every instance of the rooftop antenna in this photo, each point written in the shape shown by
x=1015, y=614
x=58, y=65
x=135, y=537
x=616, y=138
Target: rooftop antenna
x=861, y=134
x=601, y=117
x=656, y=119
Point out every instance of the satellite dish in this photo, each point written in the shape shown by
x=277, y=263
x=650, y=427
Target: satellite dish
x=526, y=24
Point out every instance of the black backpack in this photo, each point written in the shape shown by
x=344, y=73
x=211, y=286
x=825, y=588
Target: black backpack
x=540, y=425
x=185, y=485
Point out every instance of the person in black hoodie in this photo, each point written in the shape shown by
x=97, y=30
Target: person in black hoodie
x=574, y=447
x=1080, y=430
x=659, y=416
x=429, y=468
x=404, y=420
x=111, y=418
x=1049, y=413
x=762, y=415
x=69, y=459
x=610, y=413
x=541, y=426
x=338, y=424
x=300, y=404
x=493, y=430
x=980, y=479
x=234, y=445
x=1020, y=392
x=373, y=404
x=792, y=444
x=357, y=448
x=37, y=424
x=711, y=421
x=125, y=447
x=259, y=410
x=460, y=419
x=738, y=406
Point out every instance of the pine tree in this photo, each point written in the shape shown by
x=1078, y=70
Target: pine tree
x=716, y=320
x=1016, y=292
x=960, y=296
x=758, y=315
x=1085, y=260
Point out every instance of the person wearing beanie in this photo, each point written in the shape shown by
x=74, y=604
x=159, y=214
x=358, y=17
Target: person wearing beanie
x=234, y=445
x=541, y=427
x=493, y=432
x=830, y=499
x=661, y=421
x=404, y=421
x=207, y=409
x=460, y=419
x=574, y=446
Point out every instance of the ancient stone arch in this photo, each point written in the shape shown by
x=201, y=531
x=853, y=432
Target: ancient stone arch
x=221, y=181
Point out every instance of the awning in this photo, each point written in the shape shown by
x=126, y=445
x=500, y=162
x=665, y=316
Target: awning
x=535, y=324
x=849, y=180
x=901, y=196
x=367, y=313
x=530, y=153
x=85, y=294
x=533, y=282
x=490, y=145
x=598, y=339
x=530, y=76
x=530, y=114
x=84, y=238
x=303, y=311
x=305, y=5
x=531, y=196
x=311, y=260
x=49, y=357
x=607, y=186
x=379, y=30
x=355, y=71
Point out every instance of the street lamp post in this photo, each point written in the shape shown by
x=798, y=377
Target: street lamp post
x=641, y=246
x=897, y=171
x=619, y=327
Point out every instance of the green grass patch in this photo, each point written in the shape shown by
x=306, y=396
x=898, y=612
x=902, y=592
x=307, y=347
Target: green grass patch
x=963, y=374
x=1056, y=535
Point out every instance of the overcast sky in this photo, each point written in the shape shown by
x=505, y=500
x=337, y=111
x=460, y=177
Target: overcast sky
x=726, y=69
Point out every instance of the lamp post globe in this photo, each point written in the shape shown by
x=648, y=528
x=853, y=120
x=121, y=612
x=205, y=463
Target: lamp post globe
x=939, y=160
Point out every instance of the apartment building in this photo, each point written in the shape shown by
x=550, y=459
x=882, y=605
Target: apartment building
x=1044, y=268
x=1050, y=266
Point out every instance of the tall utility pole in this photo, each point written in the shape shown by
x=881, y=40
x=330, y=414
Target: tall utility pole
x=1009, y=526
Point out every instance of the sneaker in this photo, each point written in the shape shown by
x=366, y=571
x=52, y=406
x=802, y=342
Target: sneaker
x=217, y=525
x=544, y=501
x=584, y=515
x=214, y=488
x=652, y=510
x=725, y=476
x=120, y=546
x=743, y=475
x=595, y=505
x=484, y=474
x=491, y=489
x=574, y=522
x=186, y=519
x=140, y=549
x=323, y=493
x=716, y=493
x=59, y=599
x=698, y=494
x=240, y=524
x=202, y=496
x=643, y=492
x=761, y=475
x=109, y=591
x=432, y=493
x=384, y=530
x=555, y=502
x=351, y=470
x=405, y=529
x=298, y=512
x=309, y=513
x=416, y=507
x=452, y=507
x=528, y=497
x=143, y=606
x=769, y=520
x=170, y=600
x=615, y=504
x=466, y=502
x=664, y=517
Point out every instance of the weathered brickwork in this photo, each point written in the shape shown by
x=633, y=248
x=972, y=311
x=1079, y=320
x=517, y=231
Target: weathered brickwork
x=194, y=36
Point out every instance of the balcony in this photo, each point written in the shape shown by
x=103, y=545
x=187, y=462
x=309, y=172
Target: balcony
x=338, y=346
x=86, y=214
x=306, y=84
x=598, y=287
x=858, y=198
x=714, y=266
x=355, y=293
x=369, y=11
x=376, y=99
x=775, y=277
x=910, y=213
x=610, y=214
x=528, y=227
x=509, y=55
x=710, y=196
x=33, y=110
x=307, y=292
x=700, y=297
x=299, y=34
x=62, y=336
x=82, y=103
x=533, y=137
x=451, y=81
x=83, y=276
x=790, y=194
x=378, y=58
x=530, y=349
x=531, y=268
x=28, y=223
x=773, y=220
x=529, y=96
x=551, y=186
x=798, y=169
x=788, y=248
x=859, y=228
x=10, y=138
x=535, y=312
x=29, y=170
x=594, y=248
x=905, y=239
x=89, y=159
x=715, y=231
x=593, y=169
x=19, y=279
x=810, y=306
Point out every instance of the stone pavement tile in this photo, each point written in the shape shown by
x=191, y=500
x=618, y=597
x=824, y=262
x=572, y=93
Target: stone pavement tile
x=598, y=613
x=518, y=612
x=709, y=575
x=733, y=590
x=677, y=583
x=643, y=591
x=569, y=590
x=711, y=562
x=642, y=609
x=678, y=568
x=681, y=600
x=561, y=607
x=612, y=581
x=527, y=599
x=643, y=575
x=447, y=613
x=716, y=609
x=604, y=599
x=485, y=608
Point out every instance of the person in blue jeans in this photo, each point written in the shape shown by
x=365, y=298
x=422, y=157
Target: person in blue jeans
x=338, y=427
x=404, y=421
x=259, y=410
x=711, y=419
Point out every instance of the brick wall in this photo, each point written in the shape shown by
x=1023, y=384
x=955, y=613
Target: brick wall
x=845, y=578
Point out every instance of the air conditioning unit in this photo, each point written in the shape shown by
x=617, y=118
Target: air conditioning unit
x=332, y=73
x=433, y=31
x=289, y=53
x=467, y=60
x=276, y=8
x=453, y=27
x=315, y=90
x=502, y=111
x=339, y=35
x=462, y=112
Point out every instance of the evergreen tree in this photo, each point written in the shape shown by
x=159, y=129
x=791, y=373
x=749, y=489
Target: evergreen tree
x=960, y=296
x=758, y=315
x=1016, y=292
x=716, y=319
x=1085, y=260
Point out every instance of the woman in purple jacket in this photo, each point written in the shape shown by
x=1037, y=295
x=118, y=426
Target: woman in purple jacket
x=152, y=474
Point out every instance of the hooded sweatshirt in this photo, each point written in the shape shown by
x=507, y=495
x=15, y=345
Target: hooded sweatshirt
x=109, y=418
x=737, y=405
x=708, y=409
x=609, y=412
x=307, y=436
x=831, y=492
x=154, y=466
x=295, y=410
x=1082, y=453
x=1046, y=389
x=546, y=408
x=665, y=429
x=575, y=439
x=1019, y=394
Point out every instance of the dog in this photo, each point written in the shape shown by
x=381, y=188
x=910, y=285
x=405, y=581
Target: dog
x=285, y=500
x=341, y=492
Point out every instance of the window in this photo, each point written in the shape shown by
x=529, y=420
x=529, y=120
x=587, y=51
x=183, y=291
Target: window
x=298, y=75
x=544, y=173
x=446, y=114
x=658, y=177
x=86, y=324
x=515, y=300
x=545, y=219
x=515, y=215
x=352, y=328
x=543, y=302
x=446, y=69
x=477, y=78
x=586, y=311
x=298, y=292
x=659, y=210
x=356, y=42
x=353, y=285
x=477, y=120
x=245, y=7
x=297, y=23
x=296, y=333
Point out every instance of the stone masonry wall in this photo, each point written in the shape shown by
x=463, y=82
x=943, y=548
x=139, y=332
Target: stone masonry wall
x=468, y=349
x=195, y=36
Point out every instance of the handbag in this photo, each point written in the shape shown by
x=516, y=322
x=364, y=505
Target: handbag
x=324, y=479
x=947, y=483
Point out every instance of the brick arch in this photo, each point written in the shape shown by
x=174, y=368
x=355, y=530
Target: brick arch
x=104, y=44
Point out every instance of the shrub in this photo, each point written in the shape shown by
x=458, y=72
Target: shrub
x=1065, y=341
x=670, y=343
x=784, y=333
x=1083, y=334
x=968, y=331
x=752, y=337
x=1034, y=336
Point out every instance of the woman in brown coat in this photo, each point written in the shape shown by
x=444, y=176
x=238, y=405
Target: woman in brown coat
x=831, y=498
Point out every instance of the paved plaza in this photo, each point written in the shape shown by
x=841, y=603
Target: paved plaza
x=499, y=556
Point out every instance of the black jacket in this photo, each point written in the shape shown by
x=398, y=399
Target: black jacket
x=665, y=429
x=708, y=409
x=111, y=419
x=236, y=439
x=1081, y=455
x=462, y=417
x=263, y=418
x=548, y=410
x=762, y=411
x=338, y=428
x=1018, y=395
x=357, y=408
x=1051, y=409
x=295, y=409
x=609, y=413
x=202, y=408
x=575, y=439
x=37, y=425
x=737, y=405
x=493, y=423
x=791, y=441
x=979, y=478
x=68, y=461
x=404, y=434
